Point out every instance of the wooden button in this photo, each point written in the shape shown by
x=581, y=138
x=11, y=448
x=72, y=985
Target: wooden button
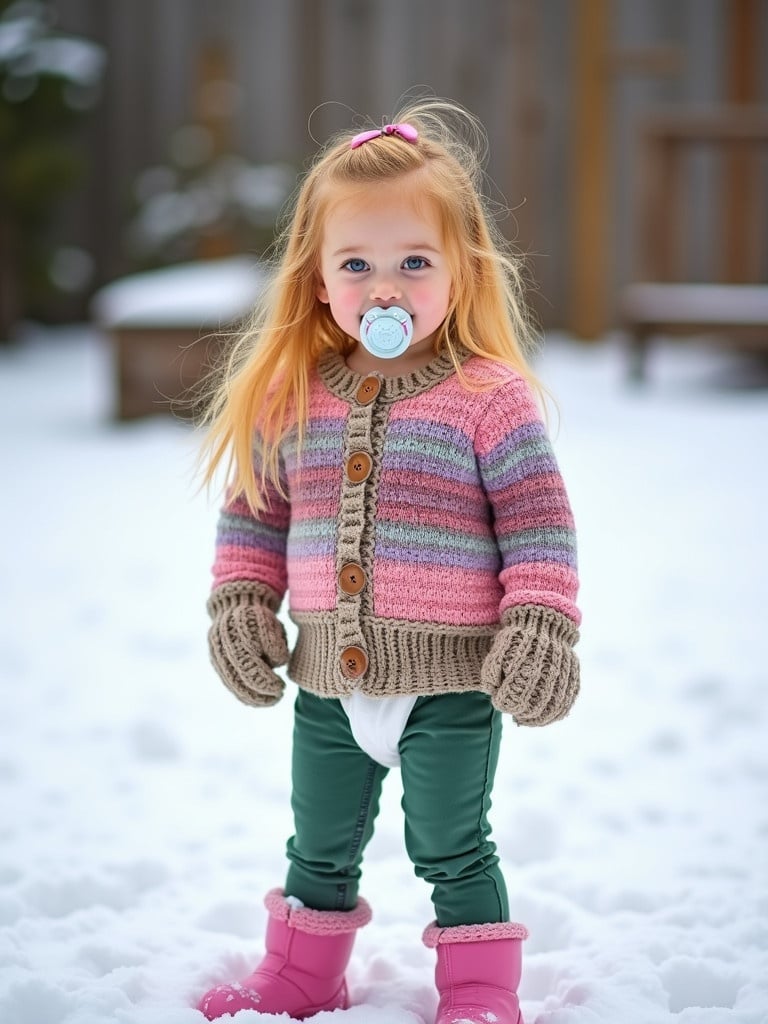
x=368, y=390
x=352, y=579
x=354, y=662
x=359, y=465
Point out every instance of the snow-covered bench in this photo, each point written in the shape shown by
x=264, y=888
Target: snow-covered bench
x=731, y=304
x=736, y=312
x=166, y=326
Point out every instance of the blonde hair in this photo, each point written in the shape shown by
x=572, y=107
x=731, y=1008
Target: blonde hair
x=265, y=383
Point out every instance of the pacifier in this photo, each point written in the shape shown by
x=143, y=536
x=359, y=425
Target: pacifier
x=386, y=333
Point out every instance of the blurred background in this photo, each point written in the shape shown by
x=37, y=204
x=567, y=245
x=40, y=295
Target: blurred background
x=629, y=144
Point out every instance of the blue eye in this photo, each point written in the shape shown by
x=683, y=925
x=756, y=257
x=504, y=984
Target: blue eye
x=356, y=265
x=415, y=263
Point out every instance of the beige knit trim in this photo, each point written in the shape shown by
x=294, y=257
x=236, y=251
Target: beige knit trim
x=343, y=382
x=239, y=593
x=354, y=527
x=404, y=657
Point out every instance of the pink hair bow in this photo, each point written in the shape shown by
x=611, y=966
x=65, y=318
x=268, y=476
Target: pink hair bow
x=405, y=131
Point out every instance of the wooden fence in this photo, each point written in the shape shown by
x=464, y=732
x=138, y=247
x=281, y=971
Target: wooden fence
x=561, y=86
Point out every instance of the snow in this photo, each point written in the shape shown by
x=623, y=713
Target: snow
x=182, y=295
x=144, y=811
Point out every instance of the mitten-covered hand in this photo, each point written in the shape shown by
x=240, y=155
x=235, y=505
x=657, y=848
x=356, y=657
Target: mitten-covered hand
x=246, y=641
x=531, y=671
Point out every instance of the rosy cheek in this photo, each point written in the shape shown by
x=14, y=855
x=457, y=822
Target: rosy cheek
x=349, y=297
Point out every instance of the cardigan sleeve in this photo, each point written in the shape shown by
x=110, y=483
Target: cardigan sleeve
x=252, y=546
x=532, y=516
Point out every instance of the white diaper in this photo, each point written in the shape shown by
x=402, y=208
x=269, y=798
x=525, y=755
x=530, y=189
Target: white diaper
x=377, y=724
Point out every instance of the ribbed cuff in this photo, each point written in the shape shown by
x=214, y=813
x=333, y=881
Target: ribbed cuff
x=243, y=592
x=434, y=935
x=317, y=922
x=538, y=619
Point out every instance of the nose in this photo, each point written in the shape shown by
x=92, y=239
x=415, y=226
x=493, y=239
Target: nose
x=384, y=289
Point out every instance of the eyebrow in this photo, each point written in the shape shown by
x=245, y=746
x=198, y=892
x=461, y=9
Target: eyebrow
x=418, y=247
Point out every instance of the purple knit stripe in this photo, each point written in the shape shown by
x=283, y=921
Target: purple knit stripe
x=239, y=529
x=529, y=431
x=438, y=556
x=264, y=539
x=407, y=495
x=457, y=519
x=531, y=466
x=429, y=430
x=541, y=553
x=446, y=470
x=322, y=447
x=420, y=446
x=534, y=495
x=312, y=547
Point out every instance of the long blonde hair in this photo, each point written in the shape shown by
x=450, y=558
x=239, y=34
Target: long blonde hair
x=265, y=384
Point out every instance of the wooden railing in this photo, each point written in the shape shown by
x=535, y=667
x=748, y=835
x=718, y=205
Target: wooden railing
x=731, y=300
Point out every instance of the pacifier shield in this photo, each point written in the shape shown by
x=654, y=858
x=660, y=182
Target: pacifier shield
x=386, y=333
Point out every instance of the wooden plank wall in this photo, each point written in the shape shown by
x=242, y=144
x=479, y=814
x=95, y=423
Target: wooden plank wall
x=301, y=66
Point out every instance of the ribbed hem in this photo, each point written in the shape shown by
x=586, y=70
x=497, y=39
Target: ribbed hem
x=317, y=922
x=403, y=657
x=434, y=935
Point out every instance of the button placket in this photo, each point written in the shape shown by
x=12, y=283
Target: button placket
x=351, y=576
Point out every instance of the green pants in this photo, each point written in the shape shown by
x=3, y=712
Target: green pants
x=449, y=752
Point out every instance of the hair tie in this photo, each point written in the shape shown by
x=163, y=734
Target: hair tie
x=405, y=131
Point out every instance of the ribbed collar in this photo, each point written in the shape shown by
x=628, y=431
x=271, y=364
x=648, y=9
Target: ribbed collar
x=344, y=383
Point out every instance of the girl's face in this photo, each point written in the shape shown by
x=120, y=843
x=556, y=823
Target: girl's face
x=380, y=248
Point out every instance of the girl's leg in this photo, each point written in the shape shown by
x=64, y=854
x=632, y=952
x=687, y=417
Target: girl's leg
x=449, y=753
x=335, y=800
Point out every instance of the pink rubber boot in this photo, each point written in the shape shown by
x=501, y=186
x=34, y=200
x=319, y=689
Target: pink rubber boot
x=478, y=972
x=303, y=970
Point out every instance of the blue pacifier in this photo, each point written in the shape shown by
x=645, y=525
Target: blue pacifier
x=386, y=333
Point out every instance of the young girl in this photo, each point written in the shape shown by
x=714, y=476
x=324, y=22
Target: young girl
x=389, y=470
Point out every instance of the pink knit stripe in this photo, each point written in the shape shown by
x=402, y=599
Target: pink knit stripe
x=519, y=411
x=453, y=395
x=238, y=563
x=534, y=501
x=317, y=922
x=427, y=515
x=312, y=584
x=540, y=578
x=407, y=496
x=434, y=935
x=547, y=598
x=326, y=405
x=325, y=507
x=435, y=593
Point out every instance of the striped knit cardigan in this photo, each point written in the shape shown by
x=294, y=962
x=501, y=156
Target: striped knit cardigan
x=419, y=516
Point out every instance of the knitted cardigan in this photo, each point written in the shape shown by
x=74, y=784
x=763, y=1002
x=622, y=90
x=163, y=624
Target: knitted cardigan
x=419, y=512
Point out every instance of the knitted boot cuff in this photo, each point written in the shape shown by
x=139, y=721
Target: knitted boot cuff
x=434, y=935
x=317, y=922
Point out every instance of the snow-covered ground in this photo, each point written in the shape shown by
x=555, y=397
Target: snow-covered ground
x=143, y=812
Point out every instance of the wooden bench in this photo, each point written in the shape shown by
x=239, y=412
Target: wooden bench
x=732, y=304
x=166, y=328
